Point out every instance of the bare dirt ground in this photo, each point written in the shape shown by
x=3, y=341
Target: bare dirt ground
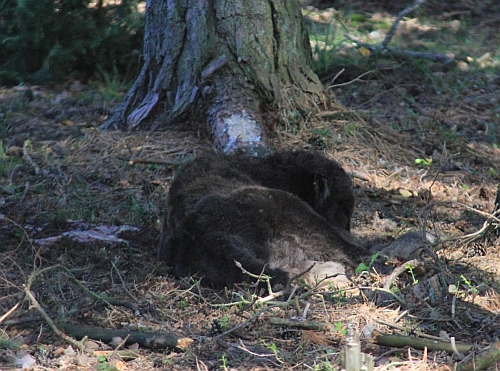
x=81, y=213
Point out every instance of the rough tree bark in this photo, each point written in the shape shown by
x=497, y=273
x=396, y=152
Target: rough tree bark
x=222, y=61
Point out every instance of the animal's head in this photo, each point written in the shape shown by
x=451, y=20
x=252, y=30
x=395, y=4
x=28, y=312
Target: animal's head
x=333, y=198
x=325, y=186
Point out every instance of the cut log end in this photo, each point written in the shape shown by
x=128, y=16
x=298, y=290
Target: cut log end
x=239, y=132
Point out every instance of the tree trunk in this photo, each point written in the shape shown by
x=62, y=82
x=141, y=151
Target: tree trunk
x=225, y=62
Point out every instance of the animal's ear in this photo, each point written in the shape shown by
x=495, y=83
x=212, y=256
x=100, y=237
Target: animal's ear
x=321, y=189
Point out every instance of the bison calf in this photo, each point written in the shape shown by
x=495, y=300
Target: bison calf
x=273, y=215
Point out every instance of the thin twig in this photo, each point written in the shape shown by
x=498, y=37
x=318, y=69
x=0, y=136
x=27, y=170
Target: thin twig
x=331, y=86
x=9, y=312
x=260, y=355
x=398, y=19
x=260, y=277
x=406, y=329
x=25, y=192
x=332, y=76
x=244, y=323
x=297, y=276
x=13, y=173
x=159, y=161
x=124, y=285
x=27, y=157
x=401, y=301
x=46, y=317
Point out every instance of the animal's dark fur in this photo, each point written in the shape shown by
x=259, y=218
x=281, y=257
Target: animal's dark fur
x=274, y=212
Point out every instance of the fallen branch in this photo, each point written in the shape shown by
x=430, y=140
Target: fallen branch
x=302, y=324
x=273, y=305
x=402, y=54
x=415, y=331
x=34, y=302
x=9, y=312
x=159, y=161
x=155, y=340
x=297, y=276
x=332, y=85
x=398, y=19
x=387, y=294
x=401, y=341
x=46, y=317
x=491, y=223
x=383, y=48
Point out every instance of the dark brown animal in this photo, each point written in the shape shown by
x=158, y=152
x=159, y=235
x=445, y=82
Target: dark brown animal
x=274, y=214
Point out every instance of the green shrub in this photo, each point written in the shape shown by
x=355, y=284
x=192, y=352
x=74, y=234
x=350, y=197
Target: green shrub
x=50, y=40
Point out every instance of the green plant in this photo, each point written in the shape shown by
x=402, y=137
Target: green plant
x=493, y=172
x=423, y=161
x=322, y=138
x=324, y=366
x=224, y=323
x=470, y=287
x=104, y=365
x=223, y=361
x=409, y=268
x=336, y=295
x=140, y=210
x=110, y=86
x=274, y=348
x=350, y=128
x=181, y=304
x=357, y=17
x=7, y=163
x=339, y=327
x=327, y=41
x=362, y=267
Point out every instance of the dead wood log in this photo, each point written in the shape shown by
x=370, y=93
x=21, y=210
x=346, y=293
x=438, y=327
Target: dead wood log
x=401, y=341
x=154, y=340
x=383, y=49
x=302, y=324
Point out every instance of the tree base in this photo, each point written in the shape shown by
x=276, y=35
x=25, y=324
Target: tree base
x=223, y=62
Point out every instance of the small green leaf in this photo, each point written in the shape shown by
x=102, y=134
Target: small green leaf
x=423, y=161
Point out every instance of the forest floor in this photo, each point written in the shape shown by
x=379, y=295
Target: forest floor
x=81, y=211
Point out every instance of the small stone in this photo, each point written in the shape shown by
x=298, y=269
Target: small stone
x=91, y=345
x=14, y=151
